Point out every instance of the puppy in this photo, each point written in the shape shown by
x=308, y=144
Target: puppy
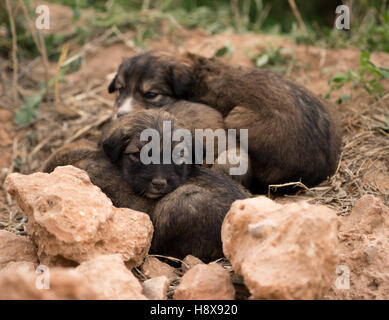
x=139, y=88
x=186, y=202
x=293, y=135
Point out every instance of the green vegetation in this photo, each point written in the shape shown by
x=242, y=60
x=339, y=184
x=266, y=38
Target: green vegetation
x=368, y=76
x=369, y=24
x=151, y=19
x=271, y=59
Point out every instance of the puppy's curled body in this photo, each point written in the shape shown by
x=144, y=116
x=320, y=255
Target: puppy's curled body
x=192, y=215
x=187, y=212
x=293, y=134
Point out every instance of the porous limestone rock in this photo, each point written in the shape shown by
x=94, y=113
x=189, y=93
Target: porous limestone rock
x=70, y=218
x=153, y=267
x=205, y=282
x=282, y=251
x=156, y=288
x=20, y=283
x=189, y=262
x=364, y=252
x=15, y=248
x=110, y=279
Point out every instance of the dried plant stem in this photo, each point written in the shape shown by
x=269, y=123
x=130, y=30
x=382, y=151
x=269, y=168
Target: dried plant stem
x=288, y=184
x=298, y=16
x=62, y=57
x=14, y=54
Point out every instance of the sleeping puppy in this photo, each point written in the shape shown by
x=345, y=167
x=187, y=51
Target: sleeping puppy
x=139, y=88
x=194, y=199
x=293, y=135
x=186, y=202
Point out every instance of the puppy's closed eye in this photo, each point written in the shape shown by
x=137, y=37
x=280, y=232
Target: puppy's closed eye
x=151, y=95
x=132, y=152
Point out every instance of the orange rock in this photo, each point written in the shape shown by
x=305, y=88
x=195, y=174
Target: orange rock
x=368, y=215
x=156, y=288
x=205, y=282
x=110, y=279
x=22, y=284
x=69, y=217
x=282, y=251
x=16, y=248
x=364, y=252
x=152, y=268
x=189, y=262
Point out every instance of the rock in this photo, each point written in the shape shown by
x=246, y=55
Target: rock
x=364, y=252
x=153, y=268
x=20, y=265
x=21, y=284
x=70, y=218
x=189, y=262
x=16, y=248
x=110, y=279
x=205, y=282
x=368, y=215
x=282, y=251
x=156, y=288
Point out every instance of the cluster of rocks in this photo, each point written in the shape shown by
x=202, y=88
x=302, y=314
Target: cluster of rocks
x=79, y=246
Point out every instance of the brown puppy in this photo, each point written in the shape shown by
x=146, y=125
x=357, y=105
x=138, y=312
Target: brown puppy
x=292, y=134
x=192, y=116
x=140, y=86
x=187, y=203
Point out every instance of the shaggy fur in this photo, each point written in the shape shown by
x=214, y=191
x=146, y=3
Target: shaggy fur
x=187, y=210
x=293, y=134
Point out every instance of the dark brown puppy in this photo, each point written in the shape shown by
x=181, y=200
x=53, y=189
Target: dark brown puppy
x=187, y=203
x=194, y=200
x=191, y=115
x=140, y=86
x=292, y=134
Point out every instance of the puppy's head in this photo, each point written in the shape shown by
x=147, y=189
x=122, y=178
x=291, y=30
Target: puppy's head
x=133, y=147
x=151, y=80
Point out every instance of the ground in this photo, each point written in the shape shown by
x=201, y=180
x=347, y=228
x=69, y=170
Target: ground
x=84, y=106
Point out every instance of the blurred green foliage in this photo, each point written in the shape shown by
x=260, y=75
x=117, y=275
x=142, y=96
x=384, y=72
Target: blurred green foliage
x=368, y=76
x=151, y=19
x=369, y=21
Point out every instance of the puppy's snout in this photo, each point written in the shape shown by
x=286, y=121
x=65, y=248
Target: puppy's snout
x=120, y=114
x=159, y=184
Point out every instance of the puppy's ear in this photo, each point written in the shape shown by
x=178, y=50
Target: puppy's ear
x=112, y=86
x=180, y=79
x=115, y=144
x=117, y=82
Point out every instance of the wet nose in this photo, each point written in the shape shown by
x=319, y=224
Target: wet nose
x=159, y=184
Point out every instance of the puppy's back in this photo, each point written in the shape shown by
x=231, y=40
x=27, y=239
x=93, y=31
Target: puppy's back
x=188, y=220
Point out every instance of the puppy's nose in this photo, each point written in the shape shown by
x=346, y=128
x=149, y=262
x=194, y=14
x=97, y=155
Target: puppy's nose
x=159, y=184
x=120, y=114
